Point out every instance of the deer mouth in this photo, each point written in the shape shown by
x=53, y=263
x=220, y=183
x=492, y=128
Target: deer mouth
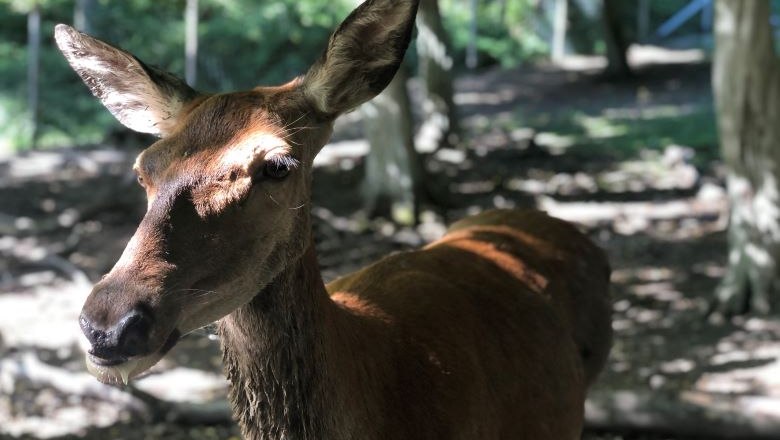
x=101, y=362
x=120, y=370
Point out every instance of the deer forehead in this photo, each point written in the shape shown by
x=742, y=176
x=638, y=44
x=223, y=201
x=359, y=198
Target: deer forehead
x=242, y=153
x=222, y=133
x=250, y=148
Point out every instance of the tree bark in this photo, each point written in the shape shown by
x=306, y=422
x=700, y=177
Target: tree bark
x=440, y=118
x=191, y=42
x=81, y=15
x=643, y=20
x=393, y=182
x=33, y=69
x=559, y=29
x=615, y=39
x=746, y=82
x=472, y=56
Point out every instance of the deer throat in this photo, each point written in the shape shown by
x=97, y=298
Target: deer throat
x=275, y=359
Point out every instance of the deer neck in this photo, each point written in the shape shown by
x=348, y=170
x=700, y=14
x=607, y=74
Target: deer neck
x=275, y=356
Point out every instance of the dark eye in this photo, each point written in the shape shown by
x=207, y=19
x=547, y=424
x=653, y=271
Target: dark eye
x=278, y=167
x=141, y=180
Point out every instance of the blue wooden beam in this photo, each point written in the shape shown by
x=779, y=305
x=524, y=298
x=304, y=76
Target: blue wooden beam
x=681, y=17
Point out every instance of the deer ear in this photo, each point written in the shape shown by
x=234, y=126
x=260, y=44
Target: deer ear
x=141, y=97
x=362, y=56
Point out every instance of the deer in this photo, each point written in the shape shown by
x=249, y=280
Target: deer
x=495, y=331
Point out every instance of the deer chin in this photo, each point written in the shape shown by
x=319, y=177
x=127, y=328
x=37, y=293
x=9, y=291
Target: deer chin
x=121, y=373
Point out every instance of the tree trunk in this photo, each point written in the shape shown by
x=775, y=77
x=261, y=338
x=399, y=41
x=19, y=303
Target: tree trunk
x=615, y=39
x=472, y=57
x=191, y=42
x=81, y=15
x=440, y=119
x=746, y=81
x=33, y=69
x=559, y=29
x=393, y=181
x=643, y=20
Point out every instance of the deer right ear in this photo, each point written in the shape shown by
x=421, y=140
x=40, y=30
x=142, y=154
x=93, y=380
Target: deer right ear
x=362, y=56
x=141, y=97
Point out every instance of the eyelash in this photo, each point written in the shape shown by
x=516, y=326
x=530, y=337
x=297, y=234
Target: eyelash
x=288, y=161
x=278, y=167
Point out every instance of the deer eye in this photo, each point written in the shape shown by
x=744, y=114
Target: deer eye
x=278, y=167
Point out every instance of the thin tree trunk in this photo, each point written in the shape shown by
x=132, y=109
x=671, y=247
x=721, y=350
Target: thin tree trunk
x=81, y=15
x=643, y=20
x=471, y=50
x=559, y=29
x=191, y=42
x=440, y=118
x=33, y=69
x=393, y=181
x=615, y=38
x=746, y=81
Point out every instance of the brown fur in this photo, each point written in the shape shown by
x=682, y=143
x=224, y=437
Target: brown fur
x=443, y=342
x=493, y=332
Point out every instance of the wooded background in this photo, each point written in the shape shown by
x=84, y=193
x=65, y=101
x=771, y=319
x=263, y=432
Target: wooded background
x=236, y=44
x=651, y=123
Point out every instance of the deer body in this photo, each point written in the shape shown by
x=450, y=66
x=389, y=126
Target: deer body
x=494, y=331
x=429, y=344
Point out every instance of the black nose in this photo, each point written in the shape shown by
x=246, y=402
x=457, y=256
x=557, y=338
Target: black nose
x=128, y=337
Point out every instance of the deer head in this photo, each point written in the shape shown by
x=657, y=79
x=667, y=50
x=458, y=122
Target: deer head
x=228, y=182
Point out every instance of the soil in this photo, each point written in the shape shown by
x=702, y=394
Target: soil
x=66, y=215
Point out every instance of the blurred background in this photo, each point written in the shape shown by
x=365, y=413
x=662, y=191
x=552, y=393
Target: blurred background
x=651, y=123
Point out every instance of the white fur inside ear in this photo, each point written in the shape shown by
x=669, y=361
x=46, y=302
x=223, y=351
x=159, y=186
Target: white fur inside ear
x=123, y=85
x=144, y=109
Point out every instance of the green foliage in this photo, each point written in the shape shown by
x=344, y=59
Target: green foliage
x=511, y=32
x=506, y=30
x=623, y=135
x=242, y=43
x=245, y=43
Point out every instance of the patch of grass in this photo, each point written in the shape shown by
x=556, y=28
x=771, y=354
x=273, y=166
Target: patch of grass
x=624, y=133
x=14, y=125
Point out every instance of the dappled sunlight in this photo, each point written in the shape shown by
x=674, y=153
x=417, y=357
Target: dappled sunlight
x=633, y=217
x=600, y=127
x=744, y=368
x=631, y=129
x=556, y=142
x=660, y=291
x=490, y=98
x=647, y=112
x=183, y=384
x=341, y=154
x=634, y=163
x=44, y=165
x=60, y=303
x=641, y=55
x=44, y=393
x=658, y=284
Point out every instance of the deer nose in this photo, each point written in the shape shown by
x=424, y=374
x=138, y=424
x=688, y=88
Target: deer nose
x=115, y=344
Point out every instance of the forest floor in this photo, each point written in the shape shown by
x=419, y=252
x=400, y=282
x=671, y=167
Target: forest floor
x=634, y=162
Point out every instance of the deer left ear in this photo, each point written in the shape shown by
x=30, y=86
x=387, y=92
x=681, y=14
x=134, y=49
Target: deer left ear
x=141, y=97
x=362, y=56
